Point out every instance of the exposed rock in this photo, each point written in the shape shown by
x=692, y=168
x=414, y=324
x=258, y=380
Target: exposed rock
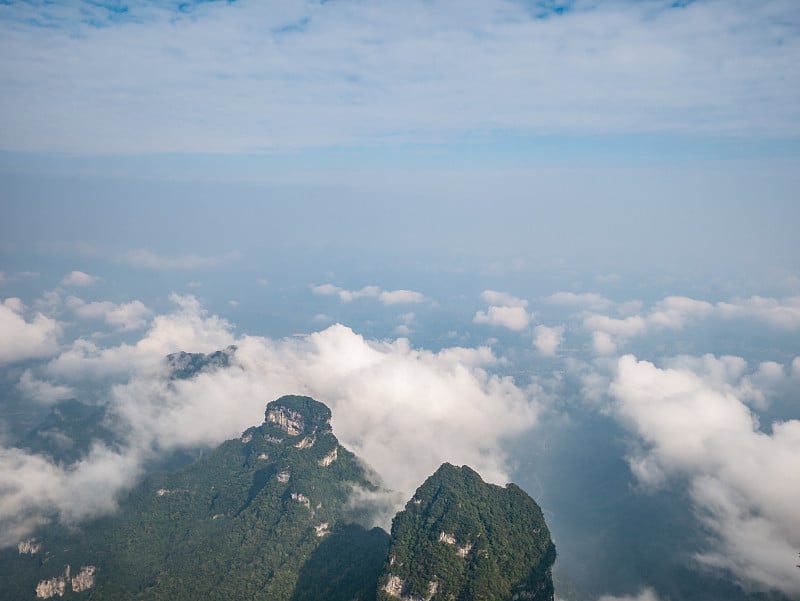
x=306, y=443
x=53, y=586
x=28, y=546
x=447, y=538
x=263, y=456
x=247, y=437
x=395, y=585
x=288, y=420
x=272, y=439
x=461, y=550
x=322, y=529
x=162, y=491
x=302, y=499
x=283, y=476
x=329, y=458
x=83, y=580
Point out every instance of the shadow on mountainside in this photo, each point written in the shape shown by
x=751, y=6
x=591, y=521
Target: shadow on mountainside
x=345, y=566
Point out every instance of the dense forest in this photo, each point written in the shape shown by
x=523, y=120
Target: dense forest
x=269, y=515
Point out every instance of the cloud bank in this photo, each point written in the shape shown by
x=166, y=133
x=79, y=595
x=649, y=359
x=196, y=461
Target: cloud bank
x=610, y=332
x=694, y=426
x=716, y=68
x=404, y=410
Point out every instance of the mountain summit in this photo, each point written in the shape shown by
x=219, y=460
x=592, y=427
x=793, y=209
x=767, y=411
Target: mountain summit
x=460, y=538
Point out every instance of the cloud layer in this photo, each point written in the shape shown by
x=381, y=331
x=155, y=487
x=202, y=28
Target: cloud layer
x=403, y=410
x=694, y=426
x=421, y=71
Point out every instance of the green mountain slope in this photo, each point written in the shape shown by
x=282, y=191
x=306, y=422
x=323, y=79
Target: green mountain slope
x=239, y=524
x=461, y=539
x=269, y=516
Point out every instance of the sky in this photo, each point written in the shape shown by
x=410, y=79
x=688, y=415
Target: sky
x=553, y=240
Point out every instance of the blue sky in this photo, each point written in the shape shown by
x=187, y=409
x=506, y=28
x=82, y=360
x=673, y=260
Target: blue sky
x=582, y=215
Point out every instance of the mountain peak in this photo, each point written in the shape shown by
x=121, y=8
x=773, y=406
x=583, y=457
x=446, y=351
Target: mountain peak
x=296, y=415
x=462, y=538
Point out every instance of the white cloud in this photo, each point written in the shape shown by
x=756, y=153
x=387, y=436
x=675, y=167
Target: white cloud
x=675, y=312
x=603, y=343
x=704, y=68
x=41, y=390
x=693, y=426
x=396, y=297
x=125, y=316
x=402, y=409
x=587, y=300
x=35, y=488
x=513, y=318
x=493, y=297
x=627, y=327
x=547, y=340
x=188, y=327
x=504, y=310
x=783, y=314
x=646, y=594
x=23, y=339
x=402, y=330
x=151, y=260
x=15, y=304
x=387, y=297
x=326, y=290
x=79, y=278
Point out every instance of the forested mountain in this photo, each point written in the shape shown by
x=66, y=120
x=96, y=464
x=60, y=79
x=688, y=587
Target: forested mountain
x=270, y=516
x=460, y=538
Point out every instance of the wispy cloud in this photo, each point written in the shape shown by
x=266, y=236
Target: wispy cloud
x=310, y=74
x=387, y=297
x=78, y=278
x=152, y=260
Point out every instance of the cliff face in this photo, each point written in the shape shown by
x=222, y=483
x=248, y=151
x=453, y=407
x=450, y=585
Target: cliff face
x=462, y=539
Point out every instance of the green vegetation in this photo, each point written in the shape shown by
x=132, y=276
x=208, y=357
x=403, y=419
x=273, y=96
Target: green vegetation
x=238, y=524
x=268, y=516
x=462, y=539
